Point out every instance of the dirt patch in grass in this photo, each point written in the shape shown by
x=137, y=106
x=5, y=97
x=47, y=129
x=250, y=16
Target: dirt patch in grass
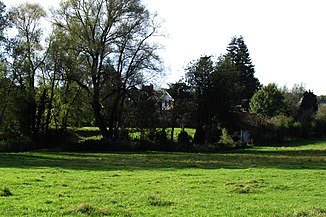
x=155, y=201
x=88, y=209
x=245, y=187
x=5, y=192
x=313, y=212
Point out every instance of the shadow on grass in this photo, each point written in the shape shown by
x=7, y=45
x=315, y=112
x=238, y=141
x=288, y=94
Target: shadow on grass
x=300, y=143
x=260, y=157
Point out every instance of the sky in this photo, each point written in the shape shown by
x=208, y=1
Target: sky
x=286, y=38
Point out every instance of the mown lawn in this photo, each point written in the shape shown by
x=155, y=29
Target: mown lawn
x=261, y=181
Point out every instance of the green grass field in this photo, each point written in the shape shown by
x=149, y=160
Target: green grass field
x=93, y=133
x=260, y=181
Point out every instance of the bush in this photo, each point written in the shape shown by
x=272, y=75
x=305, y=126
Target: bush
x=262, y=133
x=20, y=143
x=161, y=136
x=306, y=120
x=226, y=139
x=320, y=128
x=184, y=140
x=161, y=141
x=320, y=125
x=283, y=128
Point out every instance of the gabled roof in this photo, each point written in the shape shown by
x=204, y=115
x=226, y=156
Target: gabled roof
x=166, y=93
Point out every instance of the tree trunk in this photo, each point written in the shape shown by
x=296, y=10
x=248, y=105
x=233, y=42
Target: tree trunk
x=114, y=117
x=50, y=105
x=40, y=113
x=32, y=118
x=48, y=115
x=99, y=118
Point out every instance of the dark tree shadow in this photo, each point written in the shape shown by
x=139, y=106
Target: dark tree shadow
x=242, y=159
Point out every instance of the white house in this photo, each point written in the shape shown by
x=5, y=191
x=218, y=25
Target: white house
x=167, y=101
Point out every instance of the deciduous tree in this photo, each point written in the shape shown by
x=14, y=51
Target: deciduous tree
x=112, y=51
x=269, y=101
x=28, y=60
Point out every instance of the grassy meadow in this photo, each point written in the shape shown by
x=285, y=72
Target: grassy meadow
x=93, y=133
x=260, y=181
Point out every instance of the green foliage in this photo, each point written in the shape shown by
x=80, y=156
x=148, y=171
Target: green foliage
x=119, y=56
x=320, y=126
x=238, y=53
x=4, y=23
x=143, y=110
x=199, y=78
x=269, y=101
x=292, y=99
x=89, y=71
x=215, y=87
x=261, y=131
x=284, y=128
x=71, y=107
x=161, y=139
x=26, y=61
x=309, y=102
x=183, y=107
x=19, y=142
x=226, y=139
x=184, y=139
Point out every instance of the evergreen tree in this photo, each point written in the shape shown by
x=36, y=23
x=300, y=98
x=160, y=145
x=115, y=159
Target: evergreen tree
x=198, y=76
x=309, y=102
x=215, y=89
x=238, y=53
x=307, y=113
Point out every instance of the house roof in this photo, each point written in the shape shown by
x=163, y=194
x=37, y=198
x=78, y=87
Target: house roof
x=166, y=93
x=247, y=120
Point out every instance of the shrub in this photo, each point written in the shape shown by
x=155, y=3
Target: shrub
x=161, y=141
x=320, y=126
x=226, y=139
x=151, y=135
x=124, y=135
x=283, y=126
x=262, y=134
x=306, y=120
x=20, y=143
x=161, y=136
x=184, y=140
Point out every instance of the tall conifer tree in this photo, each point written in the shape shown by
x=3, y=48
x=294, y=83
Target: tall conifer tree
x=238, y=53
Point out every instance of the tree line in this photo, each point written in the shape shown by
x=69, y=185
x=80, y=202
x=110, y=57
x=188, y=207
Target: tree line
x=91, y=69
x=91, y=59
